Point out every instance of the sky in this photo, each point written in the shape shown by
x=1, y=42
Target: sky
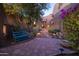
x=49, y=10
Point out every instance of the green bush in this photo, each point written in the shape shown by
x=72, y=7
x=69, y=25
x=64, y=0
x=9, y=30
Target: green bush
x=35, y=30
x=54, y=30
x=71, y=28
x=16, y=28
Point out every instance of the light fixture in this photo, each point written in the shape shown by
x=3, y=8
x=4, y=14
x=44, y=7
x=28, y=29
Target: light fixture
x=4, y=29
x=42, y=25
x=48, y=25
x=38, y=33
x=34, y=22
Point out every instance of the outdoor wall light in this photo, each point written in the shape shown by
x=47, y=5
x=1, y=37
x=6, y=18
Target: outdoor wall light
x=4, y=29
x=42, y=25
x=48, y=26
x=34, y=22
x=38, y=33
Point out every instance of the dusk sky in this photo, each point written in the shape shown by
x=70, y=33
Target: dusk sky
x=50, y=10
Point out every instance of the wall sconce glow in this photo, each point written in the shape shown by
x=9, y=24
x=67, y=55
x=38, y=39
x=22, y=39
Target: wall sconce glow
x=34, y=22
x=42, y=25
x=4, y=29
x=48, y=26
x=38, y=33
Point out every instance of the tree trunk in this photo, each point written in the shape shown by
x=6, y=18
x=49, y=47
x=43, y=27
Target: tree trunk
x=30, y=24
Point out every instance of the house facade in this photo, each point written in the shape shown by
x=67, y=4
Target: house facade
x=53, y=19
x=47, y=20
x=56, y=12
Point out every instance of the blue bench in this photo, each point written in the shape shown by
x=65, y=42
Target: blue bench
x=21, y=35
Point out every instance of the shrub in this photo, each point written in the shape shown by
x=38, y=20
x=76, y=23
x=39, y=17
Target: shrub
x=54, y=30
x=71, y=28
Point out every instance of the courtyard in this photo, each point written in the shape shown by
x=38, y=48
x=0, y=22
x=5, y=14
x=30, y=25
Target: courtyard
x=32, y=29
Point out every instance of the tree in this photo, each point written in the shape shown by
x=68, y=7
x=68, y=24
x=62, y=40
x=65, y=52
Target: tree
x=34, y=11
x=13, y=10
x=29, y=11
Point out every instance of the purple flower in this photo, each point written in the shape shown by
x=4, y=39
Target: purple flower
x=62, y=15
x=65, y=12
x=62, y=10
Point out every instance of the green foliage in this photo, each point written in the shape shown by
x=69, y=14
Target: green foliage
x=12, y=8
x=34, y=11
x=35, y=31
x=71, y=28
x=27, y=11
x=54, y=30
x=16, y=28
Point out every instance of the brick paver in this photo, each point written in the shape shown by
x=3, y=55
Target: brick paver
x=40, y=46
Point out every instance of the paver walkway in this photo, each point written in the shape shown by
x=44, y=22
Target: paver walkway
x=42, y=45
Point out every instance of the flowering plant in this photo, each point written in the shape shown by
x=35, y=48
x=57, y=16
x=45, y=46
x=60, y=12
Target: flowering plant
x=64, y=12
x=71, y=27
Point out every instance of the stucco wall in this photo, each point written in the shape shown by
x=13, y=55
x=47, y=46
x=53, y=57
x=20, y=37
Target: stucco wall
x=57, y=9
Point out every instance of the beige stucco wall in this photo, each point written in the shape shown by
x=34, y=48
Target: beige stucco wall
x=58, y=23
x=47, y=18
x=10, y=20
x=57, y=9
